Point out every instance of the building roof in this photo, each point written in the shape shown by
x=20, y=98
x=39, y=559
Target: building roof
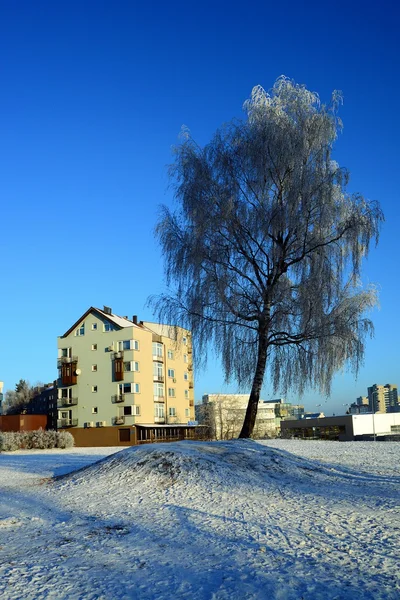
x=120, y=322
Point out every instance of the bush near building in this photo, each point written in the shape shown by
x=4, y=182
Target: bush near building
x=35, y=440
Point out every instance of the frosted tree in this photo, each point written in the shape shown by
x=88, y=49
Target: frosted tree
x=263, y=252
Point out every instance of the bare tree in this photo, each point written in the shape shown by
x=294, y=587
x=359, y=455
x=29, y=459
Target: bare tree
x=16, y=401
x=264, y=250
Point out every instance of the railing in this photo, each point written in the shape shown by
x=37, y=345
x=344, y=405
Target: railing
x=118, y=398
x=118, y=420
x=191, y=385
x=159, y=398
x=61, y=423
x=159, y=378
x=159, y=419
x=66, y=402
x=64, y=360
x=191, y=402
x=158, y=357
x=119, y=354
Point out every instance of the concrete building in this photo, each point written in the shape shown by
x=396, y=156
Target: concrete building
x=360, y=406
x=224, y=414
x=123, y=382
x=383, y=398
x=345, y=428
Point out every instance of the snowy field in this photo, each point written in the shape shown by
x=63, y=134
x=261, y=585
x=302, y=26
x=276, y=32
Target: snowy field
x=224, y=520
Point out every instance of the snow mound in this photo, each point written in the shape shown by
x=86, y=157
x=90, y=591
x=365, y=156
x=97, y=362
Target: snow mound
x=205, y=465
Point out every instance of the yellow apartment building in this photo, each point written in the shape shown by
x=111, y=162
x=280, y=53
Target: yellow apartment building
x=123, y=382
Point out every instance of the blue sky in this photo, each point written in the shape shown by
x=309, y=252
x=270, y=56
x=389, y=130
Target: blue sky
x=93, y=96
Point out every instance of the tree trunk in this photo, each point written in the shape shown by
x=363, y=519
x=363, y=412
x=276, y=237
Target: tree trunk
x=251, y=412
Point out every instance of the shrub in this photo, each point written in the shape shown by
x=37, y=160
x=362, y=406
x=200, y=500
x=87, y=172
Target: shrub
x=37, y=440
x=64, y=439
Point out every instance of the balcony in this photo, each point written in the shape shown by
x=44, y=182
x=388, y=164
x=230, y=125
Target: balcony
x=65, y=360
x=158, y=358
x=118, y=421
x=61, y=402
x=191, y=385
x=159, y=420
x=158, y=378
x=118, y=354
x=118, y=398
x=159, y=398
x=191, y=402
x=64, y=423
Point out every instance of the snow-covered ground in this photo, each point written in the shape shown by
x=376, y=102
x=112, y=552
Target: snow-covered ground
x=191, y=520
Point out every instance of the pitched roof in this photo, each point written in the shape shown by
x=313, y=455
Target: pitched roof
x=120, y=322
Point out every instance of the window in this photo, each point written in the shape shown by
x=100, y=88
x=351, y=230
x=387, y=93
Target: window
x=131, y=365
x=157, y=349
x=185, y=376
x=94, y=410
x=125, y=388
x=159, y=411
x=81, y=330
x=171, y=354
x=158, y=369
x=187, y=412
x=172, y=411
x=171, y=373
x=186, y=393
x=128, y=345
x=94, y=368
x=94, y=388
x=94, y=346
x=66, y=393
x=171, y=392
x=66, y=352
x=184, y=340
x=136, y=388
x=108, y=326
x=185, y=358
x=94, y=326
x=158, y=390
x=131, y=411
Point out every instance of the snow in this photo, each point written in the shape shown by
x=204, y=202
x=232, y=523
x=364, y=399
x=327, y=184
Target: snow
x=282, y=519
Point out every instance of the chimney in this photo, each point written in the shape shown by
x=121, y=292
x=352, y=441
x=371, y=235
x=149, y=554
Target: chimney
x=134, y=319
x=107, y=310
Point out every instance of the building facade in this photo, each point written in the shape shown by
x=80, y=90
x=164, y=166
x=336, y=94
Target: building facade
x=45, y=402
x=223, y=414
x=376, y=426
x=131, y=381
x=383, y=398
x=1, y=397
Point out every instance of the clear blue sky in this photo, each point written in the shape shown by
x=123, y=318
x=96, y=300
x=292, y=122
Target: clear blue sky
x=93, y=95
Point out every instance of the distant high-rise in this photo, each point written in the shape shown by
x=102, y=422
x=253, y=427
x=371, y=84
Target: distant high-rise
x=383, y=398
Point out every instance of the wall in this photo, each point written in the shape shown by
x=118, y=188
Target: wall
x=101, y=436
x=22, y=422
x=365, y=424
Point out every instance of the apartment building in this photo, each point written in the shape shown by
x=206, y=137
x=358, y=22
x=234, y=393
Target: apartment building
x=1, y=397
x=383, y=398
x=45, y=402
x=223, y=415
x=122, y=381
